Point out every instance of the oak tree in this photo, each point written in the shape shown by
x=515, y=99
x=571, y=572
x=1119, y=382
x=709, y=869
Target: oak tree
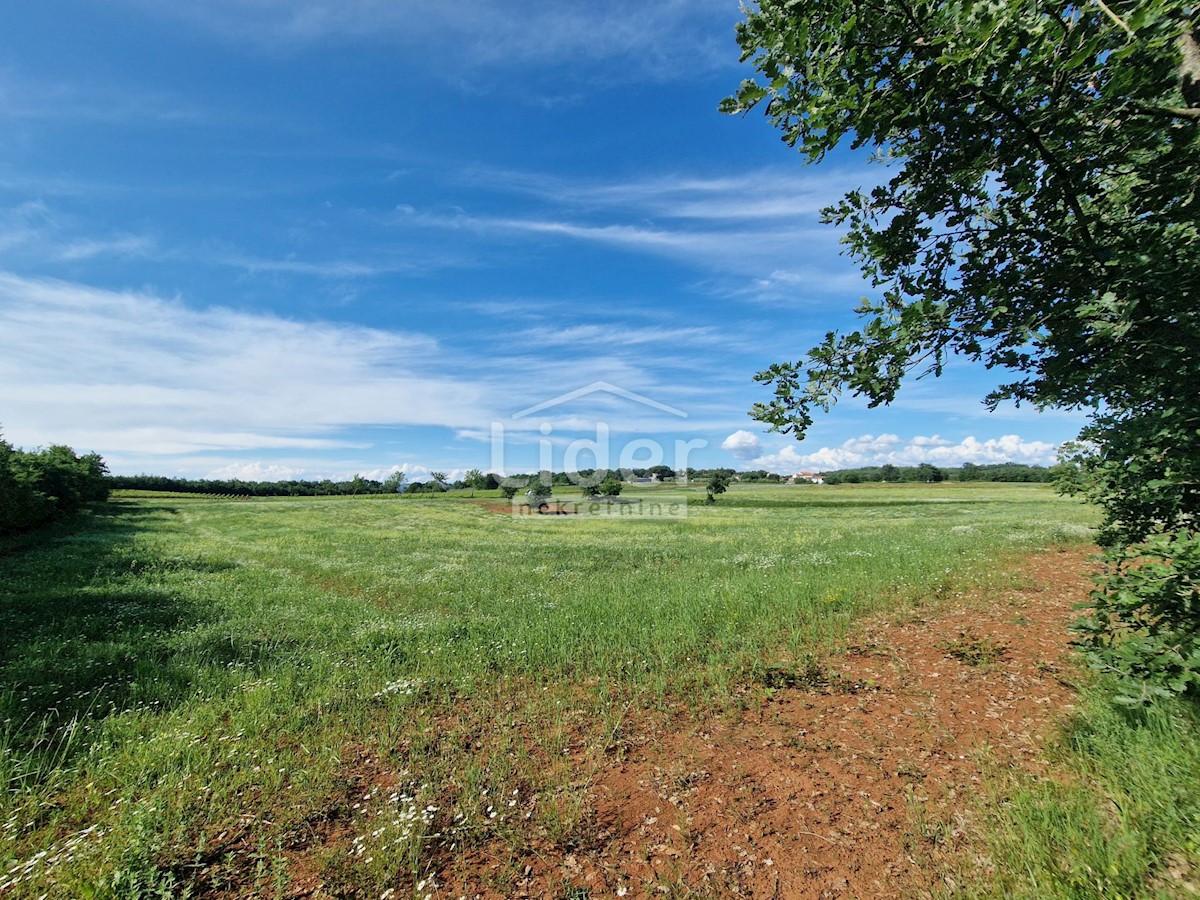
x=1040, y=218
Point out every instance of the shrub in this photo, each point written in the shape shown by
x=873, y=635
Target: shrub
x=39, y=485
x=609, y=487
x=1144, y=625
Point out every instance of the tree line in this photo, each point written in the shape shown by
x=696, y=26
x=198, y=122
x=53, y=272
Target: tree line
x=243, y=488
x=927, y=473
x=37, y=486
x=438, y=482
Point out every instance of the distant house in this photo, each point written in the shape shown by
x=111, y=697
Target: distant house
x=813, y=477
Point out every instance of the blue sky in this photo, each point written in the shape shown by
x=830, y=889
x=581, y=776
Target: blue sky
x=307, y=238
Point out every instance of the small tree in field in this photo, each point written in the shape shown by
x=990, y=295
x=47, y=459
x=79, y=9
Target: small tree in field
x=538, y=492
x=718, y=483
x=476, y=480
x=609, y=487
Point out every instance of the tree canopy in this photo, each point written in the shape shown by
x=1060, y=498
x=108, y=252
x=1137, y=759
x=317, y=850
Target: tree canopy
x=1040, y=218
x=39, y=485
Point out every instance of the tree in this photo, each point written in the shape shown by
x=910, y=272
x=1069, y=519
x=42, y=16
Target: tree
x=888, y=472
x=439, y=478
x=718, y=483
x=1040, y=218
x=609, y=487
x=39, y=485
x=394, y=483
x=539, y=490
x=930, y=474
x=475, y=480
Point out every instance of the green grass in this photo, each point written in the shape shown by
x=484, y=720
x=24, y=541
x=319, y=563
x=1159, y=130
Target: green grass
x=195, y=690
x=1120, y=818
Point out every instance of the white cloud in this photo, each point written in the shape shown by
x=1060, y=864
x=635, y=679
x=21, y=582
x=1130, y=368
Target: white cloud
x=868, y=450
x=758, y=195
x=622, y=335
x=257, y=471
x=333, y=269
x=126, y=371
x=125, y=245
x=730, y=247
x=23, y=98
x=35, y=231
x=155, y=385
x=762, y=226
x=742, y=444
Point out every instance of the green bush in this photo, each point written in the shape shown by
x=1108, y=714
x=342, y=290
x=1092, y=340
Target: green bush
x=39, y=485
x=1144, y=626
x=609, y=487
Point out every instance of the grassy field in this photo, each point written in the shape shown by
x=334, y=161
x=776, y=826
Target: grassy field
x=187, y=683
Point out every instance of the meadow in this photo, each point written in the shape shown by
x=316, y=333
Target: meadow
x=226, y=697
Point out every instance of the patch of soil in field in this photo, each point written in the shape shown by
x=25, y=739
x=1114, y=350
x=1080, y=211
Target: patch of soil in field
x=851, y=779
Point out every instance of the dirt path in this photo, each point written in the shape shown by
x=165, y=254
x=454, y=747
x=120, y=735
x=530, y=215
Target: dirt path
x=852, y=780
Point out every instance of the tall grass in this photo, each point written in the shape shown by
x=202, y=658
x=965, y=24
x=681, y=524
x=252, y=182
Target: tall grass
x=1119, y=816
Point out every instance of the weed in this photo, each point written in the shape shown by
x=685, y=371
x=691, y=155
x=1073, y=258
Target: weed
x=811, y=674
x=974, y=649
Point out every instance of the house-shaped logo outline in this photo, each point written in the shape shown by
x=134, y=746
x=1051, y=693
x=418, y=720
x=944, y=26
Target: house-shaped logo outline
x=599, y=387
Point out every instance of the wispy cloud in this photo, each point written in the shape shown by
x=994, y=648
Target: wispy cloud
x=670, y=39
x=37, y=233
x=125, y=245
x=763, y=194
x=24, y=98
x=609, y=335
x=32, y=230
x=141, y=377
x=728, y=248
x=25, y=223
x=322, y=269
x=126, y=370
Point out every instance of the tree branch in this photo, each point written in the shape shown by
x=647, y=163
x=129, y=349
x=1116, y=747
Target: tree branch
x=1047, y=156
x=1112, y=15
x=1172, y=112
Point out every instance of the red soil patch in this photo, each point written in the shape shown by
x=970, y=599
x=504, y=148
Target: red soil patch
x=820, y=790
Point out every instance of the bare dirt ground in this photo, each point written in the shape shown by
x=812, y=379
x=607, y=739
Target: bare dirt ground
x=857, y=777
